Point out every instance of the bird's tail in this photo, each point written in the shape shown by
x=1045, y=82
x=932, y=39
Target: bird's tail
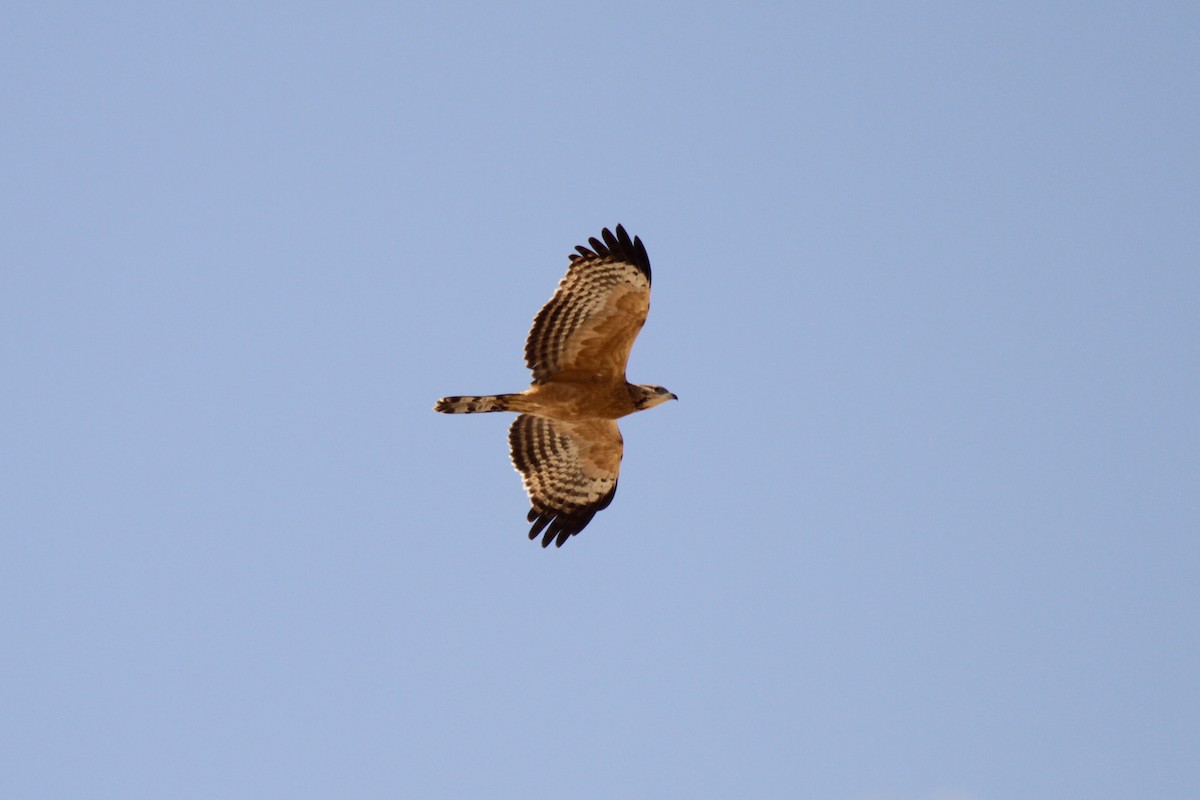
x=475, y=405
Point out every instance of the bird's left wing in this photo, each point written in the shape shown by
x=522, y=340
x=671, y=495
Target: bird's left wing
x=570, y=471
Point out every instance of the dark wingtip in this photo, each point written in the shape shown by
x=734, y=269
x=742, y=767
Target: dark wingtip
x=539, y=521
x=617, y=245
x=558, y=526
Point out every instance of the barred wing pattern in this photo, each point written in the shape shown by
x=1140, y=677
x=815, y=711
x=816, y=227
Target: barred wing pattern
x=569, y=469
x=587, y=329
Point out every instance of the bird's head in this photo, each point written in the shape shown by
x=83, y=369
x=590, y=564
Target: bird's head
x=647, y=396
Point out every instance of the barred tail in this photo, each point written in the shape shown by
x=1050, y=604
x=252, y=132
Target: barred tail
x=474, y=405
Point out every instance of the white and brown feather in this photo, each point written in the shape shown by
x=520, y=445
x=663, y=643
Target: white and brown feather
x=569, y=469
x=586, y=331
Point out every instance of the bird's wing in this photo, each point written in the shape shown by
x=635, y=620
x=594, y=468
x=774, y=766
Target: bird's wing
x=569, y=469
x=587, y=329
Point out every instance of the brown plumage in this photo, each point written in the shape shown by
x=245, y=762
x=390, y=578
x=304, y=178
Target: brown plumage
x=566, y=443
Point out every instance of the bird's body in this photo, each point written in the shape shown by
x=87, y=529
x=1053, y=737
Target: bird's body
x=565, y=400
x=566, y=444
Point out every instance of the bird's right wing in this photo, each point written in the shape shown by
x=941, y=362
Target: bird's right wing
x=587, y=329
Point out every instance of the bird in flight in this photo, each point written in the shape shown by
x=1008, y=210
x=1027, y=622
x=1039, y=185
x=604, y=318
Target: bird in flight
x=566, y=443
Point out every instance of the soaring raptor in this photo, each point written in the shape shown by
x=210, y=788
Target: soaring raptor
x=566, y=443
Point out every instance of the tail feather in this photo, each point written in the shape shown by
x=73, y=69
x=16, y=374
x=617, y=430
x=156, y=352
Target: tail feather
x=474, y=405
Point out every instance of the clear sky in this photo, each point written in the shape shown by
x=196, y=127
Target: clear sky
x=922, y=526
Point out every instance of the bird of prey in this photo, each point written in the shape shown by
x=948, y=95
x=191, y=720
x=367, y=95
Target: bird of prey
x=566, y=443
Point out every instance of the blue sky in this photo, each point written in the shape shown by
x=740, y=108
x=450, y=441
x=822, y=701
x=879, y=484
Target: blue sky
x=923, y=525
